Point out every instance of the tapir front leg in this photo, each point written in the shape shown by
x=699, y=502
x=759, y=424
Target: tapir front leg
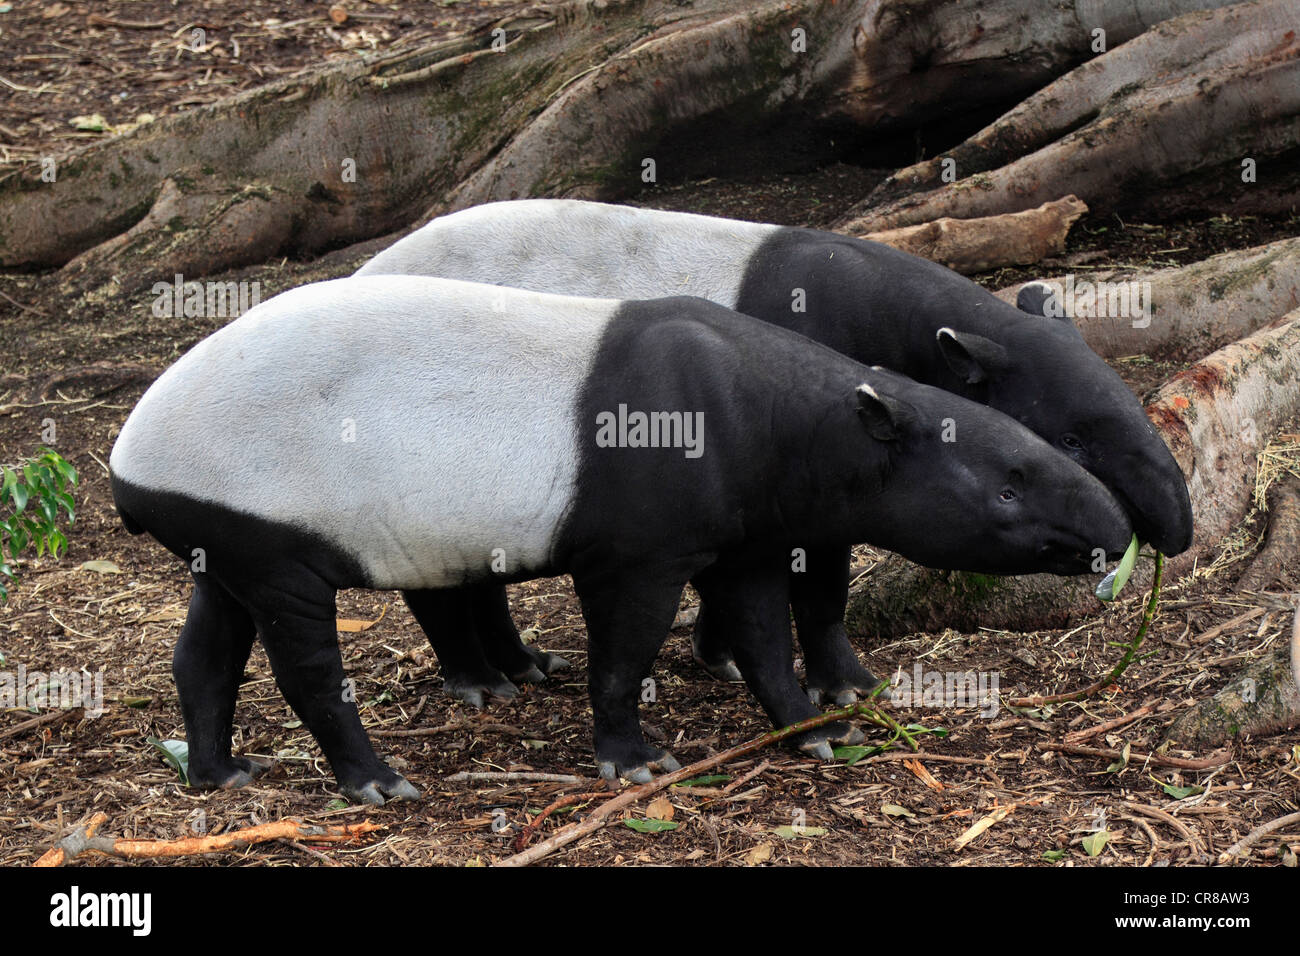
x=447, y=618
x=752, y=597
x=628, y=615
x=819, y=594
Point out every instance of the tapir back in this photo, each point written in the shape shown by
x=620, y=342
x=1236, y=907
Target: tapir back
x=582, y=248
x=401, y=419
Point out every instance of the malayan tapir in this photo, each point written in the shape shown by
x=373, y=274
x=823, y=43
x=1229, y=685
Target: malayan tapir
x=866, y=300
x=442, y=437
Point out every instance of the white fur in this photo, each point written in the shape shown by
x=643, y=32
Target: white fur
x=466, y=429
x=581, y=248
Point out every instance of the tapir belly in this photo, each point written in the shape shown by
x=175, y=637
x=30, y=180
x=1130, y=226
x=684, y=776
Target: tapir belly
x=427, y=455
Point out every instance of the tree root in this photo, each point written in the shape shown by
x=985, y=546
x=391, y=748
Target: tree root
x=978, y=245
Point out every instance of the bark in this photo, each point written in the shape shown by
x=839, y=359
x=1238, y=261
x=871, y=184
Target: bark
x=1194, y=309
x=978, y=245
x=1134, y=137
x=582, y=94
x=1283, y=541
x=1216, y=417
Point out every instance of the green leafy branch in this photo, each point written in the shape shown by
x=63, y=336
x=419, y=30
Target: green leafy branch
x=31, y=495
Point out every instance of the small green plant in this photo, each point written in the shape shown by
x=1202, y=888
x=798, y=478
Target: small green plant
x=31, y=494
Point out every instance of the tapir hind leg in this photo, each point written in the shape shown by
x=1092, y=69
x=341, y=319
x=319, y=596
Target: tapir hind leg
x=819, y=595
x=302, y=644
x=208, y=665
x=752, y=598
x=500, y=638
x=447, y=618
x=628, y=615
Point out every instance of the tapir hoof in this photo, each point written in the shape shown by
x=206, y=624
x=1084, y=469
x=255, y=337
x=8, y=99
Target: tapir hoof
x=821, y=743
x=638, y=773
x=546, y=662
x=726, y=671
x=240, y=772
x=392, y=786
x=844, y=691
x=475, y=691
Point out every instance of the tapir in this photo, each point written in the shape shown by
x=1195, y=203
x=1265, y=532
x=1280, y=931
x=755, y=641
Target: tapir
x=441, y=438
x=873, y=303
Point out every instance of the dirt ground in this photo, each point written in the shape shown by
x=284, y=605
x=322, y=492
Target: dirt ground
x=82, y=365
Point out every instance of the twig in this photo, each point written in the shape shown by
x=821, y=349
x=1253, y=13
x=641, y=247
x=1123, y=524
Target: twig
x=526, y=834
x=53, y=718
x=497, y=776
x=1038, y=700
x=449, y=727
x=84, y=839
x=1079, y=736
x=1155, y=813
x=1216, y=759
x=1254, y=836
x=599, y=817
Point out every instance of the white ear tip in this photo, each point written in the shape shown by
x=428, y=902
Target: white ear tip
x=865, y=389
x=877, y=368
x=945, y=331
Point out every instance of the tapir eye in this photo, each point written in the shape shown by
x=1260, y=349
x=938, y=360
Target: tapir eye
x=1071, y=442
x=1009, y=494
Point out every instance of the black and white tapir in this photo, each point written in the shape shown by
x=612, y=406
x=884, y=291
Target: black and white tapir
x=866, y=300
x=442, y=437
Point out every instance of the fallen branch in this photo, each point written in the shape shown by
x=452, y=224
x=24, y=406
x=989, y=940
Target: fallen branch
x=599, y=817
x=1130, y=653
x=1254, y=836
x=1283, y=539
x=85, y=839
x=497, y=776
x=1079, y=736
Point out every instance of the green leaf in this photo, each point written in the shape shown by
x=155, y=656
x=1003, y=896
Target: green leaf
x=1053, y=856
x=19, y=495
x=1178, y=793
x=136, y=702
x=708, y=780
x=651, y=826
x=894, y=810
x=176, y=753
x=1112, y=583
x=851, y=755
x=1122, y=761
x=337, y=804
x=1096, y=842
x=795, y=833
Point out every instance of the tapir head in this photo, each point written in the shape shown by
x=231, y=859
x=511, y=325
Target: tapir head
x=971, y=489
x=1042, y=372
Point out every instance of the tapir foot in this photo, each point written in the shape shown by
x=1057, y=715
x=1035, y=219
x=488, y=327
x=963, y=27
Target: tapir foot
x=541, y=664
x=639, y=764
x=374, y=787
x=237, y=772
x=821, y=742
x=842, y=689
x=475, y=690
x=722, y=666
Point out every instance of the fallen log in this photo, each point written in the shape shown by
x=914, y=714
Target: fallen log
x=1189, y=311
x=1216, y=417
x=978, y=245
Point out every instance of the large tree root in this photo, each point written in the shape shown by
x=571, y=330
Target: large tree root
x=978, y=245
x=1194, y=309
x=1101, y=135
x=579, y=96
x=1216, y=417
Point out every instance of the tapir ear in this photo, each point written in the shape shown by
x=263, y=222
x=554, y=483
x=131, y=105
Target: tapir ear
x=884, y=416
x=974, y=358
x=1039, y=298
